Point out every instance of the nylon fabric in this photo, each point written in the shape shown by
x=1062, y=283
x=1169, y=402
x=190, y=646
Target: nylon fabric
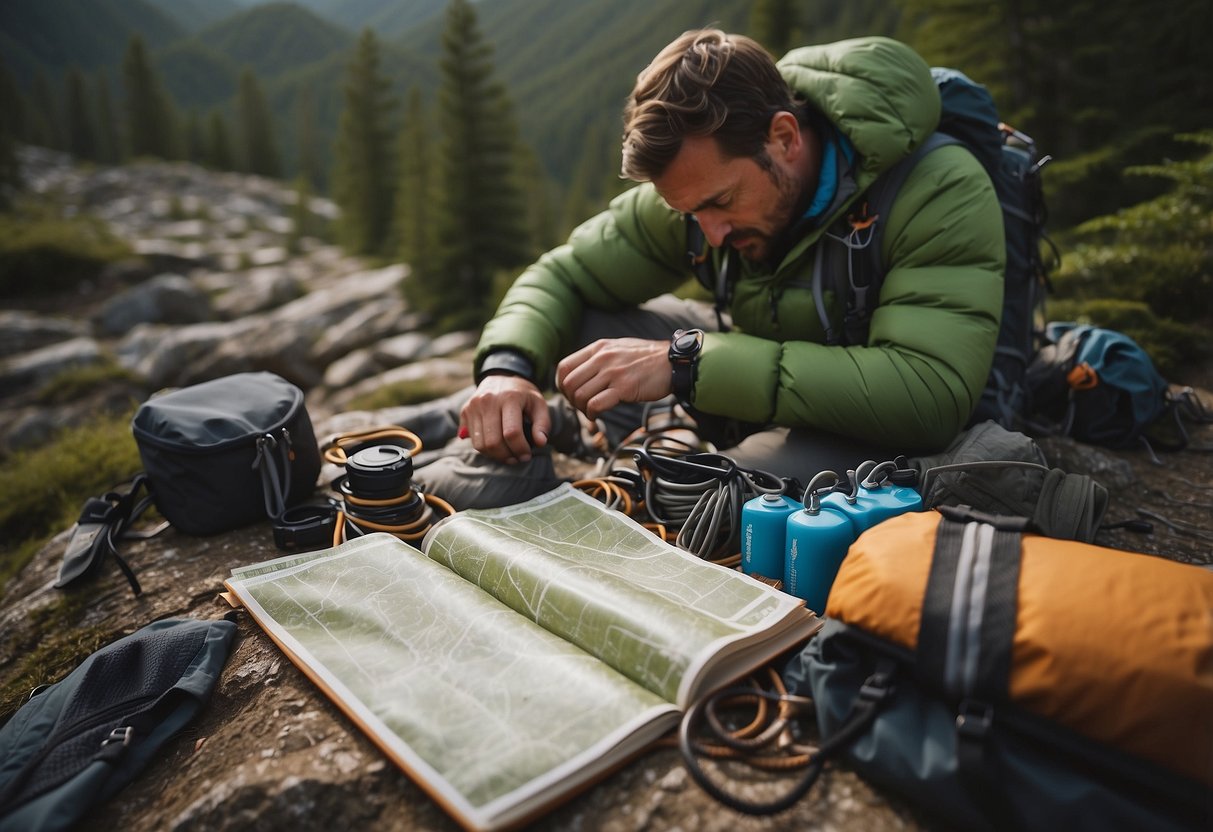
x=1141, y=626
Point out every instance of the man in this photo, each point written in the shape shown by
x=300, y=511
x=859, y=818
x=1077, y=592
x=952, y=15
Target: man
x=768, y=159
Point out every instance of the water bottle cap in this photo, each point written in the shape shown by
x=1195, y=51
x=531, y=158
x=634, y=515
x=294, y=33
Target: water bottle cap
x=772, y=498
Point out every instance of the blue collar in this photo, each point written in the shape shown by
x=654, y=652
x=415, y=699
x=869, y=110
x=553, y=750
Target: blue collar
x=827, y=180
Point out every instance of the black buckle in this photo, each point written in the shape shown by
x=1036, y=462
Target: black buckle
x=876, y=688
x=122, y=734
x=974, y=719
x=305, y=528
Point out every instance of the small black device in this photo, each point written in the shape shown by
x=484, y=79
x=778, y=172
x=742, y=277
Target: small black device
x=685, y=346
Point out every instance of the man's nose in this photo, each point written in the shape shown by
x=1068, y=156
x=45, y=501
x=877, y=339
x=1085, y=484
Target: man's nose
x=714, y=229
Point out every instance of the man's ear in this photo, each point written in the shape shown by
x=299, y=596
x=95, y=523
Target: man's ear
x=784, y=136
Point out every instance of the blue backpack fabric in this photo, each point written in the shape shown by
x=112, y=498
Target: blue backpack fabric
x=1096, y=385
x=969, y=118
x=77, y=742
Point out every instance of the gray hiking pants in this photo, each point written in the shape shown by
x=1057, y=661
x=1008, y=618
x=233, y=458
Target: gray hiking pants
x=467, y=479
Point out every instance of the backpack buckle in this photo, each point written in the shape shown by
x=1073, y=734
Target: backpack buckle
x=122, y=734
x=974, y=719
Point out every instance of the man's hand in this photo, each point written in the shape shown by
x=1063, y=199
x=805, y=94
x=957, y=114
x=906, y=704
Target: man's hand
x=493, y=418
x=613, y=370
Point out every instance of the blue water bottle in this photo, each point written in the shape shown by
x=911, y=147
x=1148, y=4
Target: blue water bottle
x=763, y=526
x=873, y=498
x=817, y=538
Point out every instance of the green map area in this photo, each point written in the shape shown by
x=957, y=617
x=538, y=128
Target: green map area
x=528, y=644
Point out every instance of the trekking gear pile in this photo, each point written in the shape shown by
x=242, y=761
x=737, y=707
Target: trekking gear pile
x=994, y=676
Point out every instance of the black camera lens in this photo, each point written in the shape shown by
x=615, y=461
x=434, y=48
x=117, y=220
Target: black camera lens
x=380, y=472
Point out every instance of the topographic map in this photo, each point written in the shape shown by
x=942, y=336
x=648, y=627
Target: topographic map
x=532, y=644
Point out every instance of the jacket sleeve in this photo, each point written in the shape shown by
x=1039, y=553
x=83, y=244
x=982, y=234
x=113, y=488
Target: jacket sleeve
x=620, y=258
x=932, y=335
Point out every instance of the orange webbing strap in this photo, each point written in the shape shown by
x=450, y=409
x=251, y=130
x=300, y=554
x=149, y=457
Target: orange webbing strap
x=344, y=445
x=410, y=532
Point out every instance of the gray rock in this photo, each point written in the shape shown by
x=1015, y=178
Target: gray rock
x=167, y=299
x=350, y=368
x=26, y=331
x=259, y=290
x=452, y=342
x=43, y=364
x=445, y=375
x=362, y=327
x=401, y=349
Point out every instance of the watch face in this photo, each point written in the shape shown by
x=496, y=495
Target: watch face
x=686, y=343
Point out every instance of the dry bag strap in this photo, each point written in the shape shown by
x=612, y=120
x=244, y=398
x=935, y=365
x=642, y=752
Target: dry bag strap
x=964, y=641
x=968, y=612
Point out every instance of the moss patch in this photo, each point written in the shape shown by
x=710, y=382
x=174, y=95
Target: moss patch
x=42, y=490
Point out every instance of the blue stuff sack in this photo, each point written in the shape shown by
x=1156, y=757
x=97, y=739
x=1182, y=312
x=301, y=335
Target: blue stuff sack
x=1096, y=385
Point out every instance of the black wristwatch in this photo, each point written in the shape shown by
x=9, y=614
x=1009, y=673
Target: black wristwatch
x=685, y=346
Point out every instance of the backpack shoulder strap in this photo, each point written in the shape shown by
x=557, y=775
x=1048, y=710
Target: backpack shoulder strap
x=717, y=281
x=850, y=252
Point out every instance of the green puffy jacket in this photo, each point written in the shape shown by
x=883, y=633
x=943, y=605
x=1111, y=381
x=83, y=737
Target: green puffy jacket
x=931, y=340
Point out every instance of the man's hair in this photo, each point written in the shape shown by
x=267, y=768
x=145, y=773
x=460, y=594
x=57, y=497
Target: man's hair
x=705, y=83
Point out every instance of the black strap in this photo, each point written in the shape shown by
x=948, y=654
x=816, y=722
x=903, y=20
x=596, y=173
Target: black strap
x=273, y=462
x=851, y=261
x=964, y=641
x=868, y=703
x=115, y=512
x=937, y=604
x=717, y=281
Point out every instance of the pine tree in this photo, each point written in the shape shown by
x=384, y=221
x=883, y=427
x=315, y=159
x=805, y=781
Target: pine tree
x=363, y=179
x=45, y=127
x=109, y=143
x=415, y=193
x=14, y=111
x=149, y=117
x=481, y=218
x=81, y=126
x=308, y=164
x=195, y=138
x=540, y=214
x=258, y=151
x=218, y=154
x=773, y=23
x=12, y=116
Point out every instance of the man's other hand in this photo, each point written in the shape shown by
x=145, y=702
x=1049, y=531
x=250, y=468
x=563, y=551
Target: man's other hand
x=494, y=416
x=614, y=370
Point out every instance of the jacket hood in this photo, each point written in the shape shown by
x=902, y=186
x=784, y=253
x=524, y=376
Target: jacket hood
x=877, y=91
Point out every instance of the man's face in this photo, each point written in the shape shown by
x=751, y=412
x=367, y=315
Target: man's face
x=737, y=201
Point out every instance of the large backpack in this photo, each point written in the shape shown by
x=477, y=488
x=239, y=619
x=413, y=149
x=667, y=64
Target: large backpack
x=968, y=118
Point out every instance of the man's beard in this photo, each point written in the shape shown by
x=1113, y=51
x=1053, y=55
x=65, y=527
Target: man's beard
x=769, y=243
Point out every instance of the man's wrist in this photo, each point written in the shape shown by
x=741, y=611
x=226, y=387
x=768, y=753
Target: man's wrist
x=685, y=346
x=506, y=362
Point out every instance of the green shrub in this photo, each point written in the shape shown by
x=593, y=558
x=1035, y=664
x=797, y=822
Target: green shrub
x=1171, y=345
x=42, y=490
x=1157, y=254
x=76, y=382
x=40, y=253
